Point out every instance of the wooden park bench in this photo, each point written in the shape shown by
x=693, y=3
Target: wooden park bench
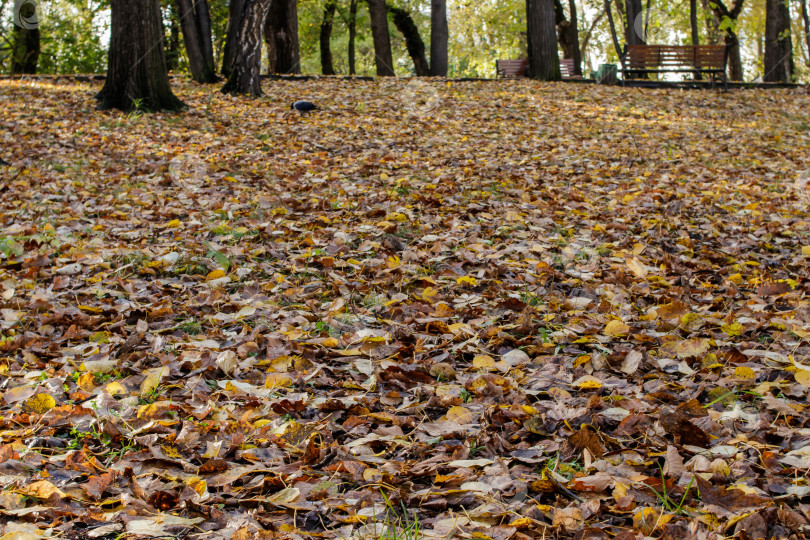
x=517, y=68
x=645, y=59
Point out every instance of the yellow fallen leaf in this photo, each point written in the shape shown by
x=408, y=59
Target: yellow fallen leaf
x=616, y=328
x=745, y=373
x=152, y=380
x=40, y=490
x=216, y=274
x=39, y=404
x=483, y=361
x=806, y=251
x=277, y=380
x=460, y=415
x=467, y=280
x=802, y=377
x=173, y=224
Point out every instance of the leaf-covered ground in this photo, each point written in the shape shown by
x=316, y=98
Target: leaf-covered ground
x=480, y=310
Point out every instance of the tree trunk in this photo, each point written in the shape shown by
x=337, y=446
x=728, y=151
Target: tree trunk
x=413, y=41
x=352, y=35
x=247, y=62
x=778, y=43
x=613, y=33
x=634, y=27
x=196, y=23
x=728, y=18
x=589, y=34
x=173, y=48
x=541, y=33
x=25, y=50
x=568, y=33
x=326, y=33
x=806, y=18
x=281, y=36
x=136, y=68
x=236, y=10
x=439, y=36
x=383, y=58
x=712, y=23
x=693, y=22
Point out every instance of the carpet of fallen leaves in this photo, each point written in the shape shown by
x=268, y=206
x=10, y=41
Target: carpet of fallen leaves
x=502, y=310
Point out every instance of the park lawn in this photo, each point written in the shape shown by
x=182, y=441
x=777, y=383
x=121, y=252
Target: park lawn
x=499, y=309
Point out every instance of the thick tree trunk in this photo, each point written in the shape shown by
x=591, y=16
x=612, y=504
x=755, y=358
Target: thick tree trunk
x=806, y=18
x=326, y=34
x=778, y=43
x=439, y=36
x=413, y=41
x=721, y=11
x=196, y=23
x=25, y=44
x=568, y=33
x=281, y=36
x=236, y=10
x=136, y=69
x=246, y=68
x=541, y=33
x=712, y=23
x=635, y=29
x=352, y=36
x=383, y=58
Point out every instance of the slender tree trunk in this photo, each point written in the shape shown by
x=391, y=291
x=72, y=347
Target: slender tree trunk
x=806, y=18
x=352, y=35
x=439, y=36
x=326, y=34
x=693, y=22
x=778, y=43
x=383, y=58
x=173, y=47
x=281, y=37
x=541, y=33
x=614, y=35
x=136, y=68
x=583, y=48
x=196, y=23
x=25, y=44
x=413, y=41
x=246, y=67
x=236, y=10
x=574, y=30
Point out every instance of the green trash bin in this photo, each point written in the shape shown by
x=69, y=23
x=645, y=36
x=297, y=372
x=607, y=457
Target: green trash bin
x=607, y=74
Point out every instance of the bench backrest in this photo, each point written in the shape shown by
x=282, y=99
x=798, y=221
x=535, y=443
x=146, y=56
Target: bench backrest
x=676, y=56
x=517, y=68
x=511, y=68
x=567, y=68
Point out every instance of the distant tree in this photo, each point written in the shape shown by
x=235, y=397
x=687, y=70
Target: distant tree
x=173, y=43
x=136, y=68
x=327, y=68
x=778, y=43
x=383, y=58
x=614, y=35
x=352, y=23
x=195, y=21
x=281, y=36
x=541, y=33
x=413, y=41
x=245, y=70
x=439, y=36
x=806, y=19
x=25, y=41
